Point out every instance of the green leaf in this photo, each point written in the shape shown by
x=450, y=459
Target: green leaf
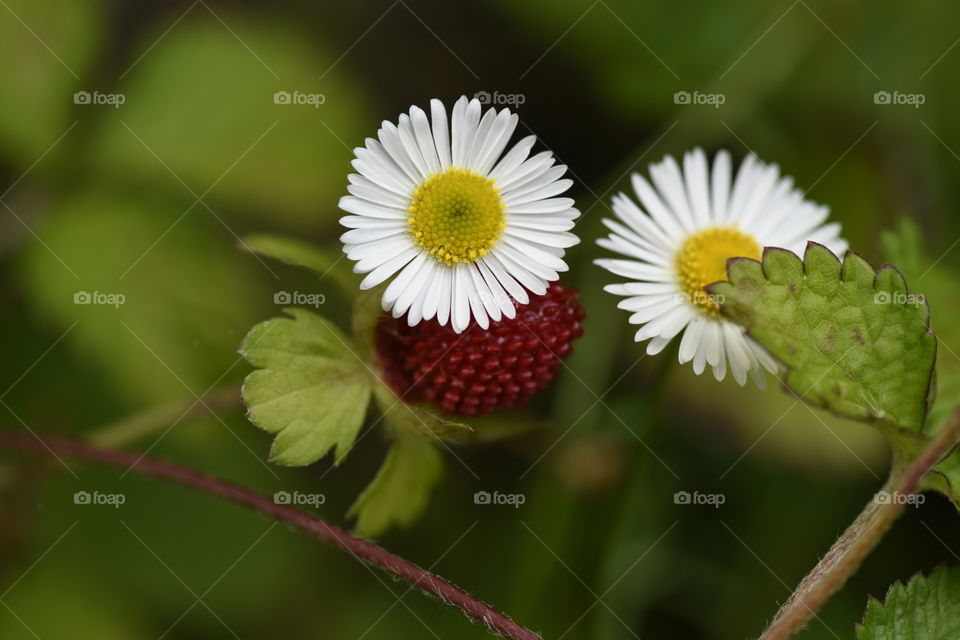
x=853, y=340
x=39, y=106
x=924, y=609
x=401, y=489
x=295, y=252
x=310, y=389
x=416, y=419
x=905, y=247
x=201, y=106
x=187, y=294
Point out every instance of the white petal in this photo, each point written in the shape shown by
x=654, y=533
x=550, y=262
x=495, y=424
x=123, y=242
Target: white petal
x=460, y=300
x=441, y=132
x=514, y=158
x=664, y=217
x=389, y=137
x=519, y=273
x=666, y=175
x=466, y=116
x=497, y=141
x=409, y=140
x=510, y=284
x=425, y=142
x=500, y=296
x=446, y=296
x=480, y=137
x=400, y=283
x=430, y=274
x=697, y=181
x=720, y=187
x=691, y=340
x=386, y=269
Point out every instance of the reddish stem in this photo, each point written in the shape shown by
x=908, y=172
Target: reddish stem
x=427, y=582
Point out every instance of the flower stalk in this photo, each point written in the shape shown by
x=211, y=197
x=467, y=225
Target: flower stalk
x=861, y=537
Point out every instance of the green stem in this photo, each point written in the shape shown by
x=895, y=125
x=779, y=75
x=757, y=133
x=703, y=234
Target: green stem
x=849, y=551
x=132, y=428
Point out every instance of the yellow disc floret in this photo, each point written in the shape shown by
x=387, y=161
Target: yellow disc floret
x=702, y=260
x=456, y=215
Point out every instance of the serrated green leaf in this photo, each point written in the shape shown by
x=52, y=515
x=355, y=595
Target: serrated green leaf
x=904, y=247
x=924, y=609
x=309, y=389
x=401, y=489
x=853, y=339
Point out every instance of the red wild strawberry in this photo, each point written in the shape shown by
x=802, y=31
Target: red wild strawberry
x=481, y=370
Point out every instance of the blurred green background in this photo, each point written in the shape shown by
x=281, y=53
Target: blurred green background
x=149, y=198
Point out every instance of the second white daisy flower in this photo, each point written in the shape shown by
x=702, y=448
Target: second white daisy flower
x=693, y=219
x=462, y=231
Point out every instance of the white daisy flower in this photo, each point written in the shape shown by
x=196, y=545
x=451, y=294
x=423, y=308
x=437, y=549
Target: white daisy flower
x=462, y=231
x=693, y=219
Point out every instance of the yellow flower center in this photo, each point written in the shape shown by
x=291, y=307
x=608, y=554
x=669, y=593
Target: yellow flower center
x=456, y=215
x=702, y=260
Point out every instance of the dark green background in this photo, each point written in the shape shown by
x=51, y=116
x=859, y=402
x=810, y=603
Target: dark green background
x=149, y=200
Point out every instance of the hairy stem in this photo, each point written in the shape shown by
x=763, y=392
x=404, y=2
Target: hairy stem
x=848, y=552
x=363, y=550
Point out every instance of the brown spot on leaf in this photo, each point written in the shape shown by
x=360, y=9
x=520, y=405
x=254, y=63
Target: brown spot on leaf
x=858, y=336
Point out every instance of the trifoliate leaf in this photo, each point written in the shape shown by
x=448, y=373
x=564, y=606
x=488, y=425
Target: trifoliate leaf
x=853, y=340
x=310, y=389
x=401, y=489
x=924, y=609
